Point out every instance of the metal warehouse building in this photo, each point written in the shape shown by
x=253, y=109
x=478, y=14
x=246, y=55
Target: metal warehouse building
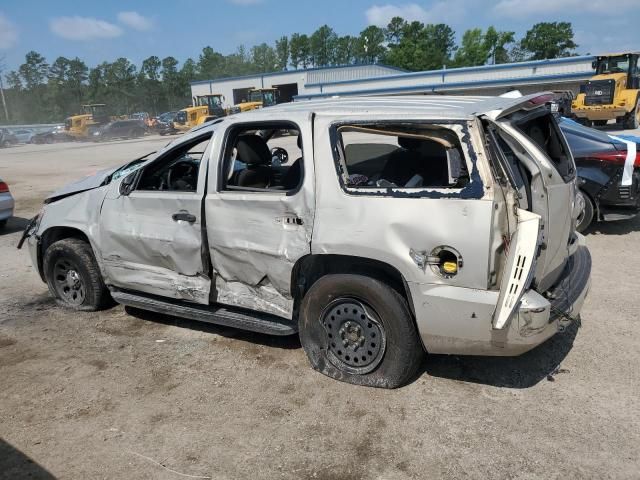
x=528, y=77
x=290, y=83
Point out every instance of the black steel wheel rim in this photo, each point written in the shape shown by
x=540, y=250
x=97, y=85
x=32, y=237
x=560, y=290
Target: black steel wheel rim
x=68, y=282
x=355, y=336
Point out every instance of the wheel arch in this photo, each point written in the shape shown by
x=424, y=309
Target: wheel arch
x=310, y=268
x=54, y=234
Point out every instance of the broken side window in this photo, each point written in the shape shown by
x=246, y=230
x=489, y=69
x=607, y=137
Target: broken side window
x=394, y=156
x=545, y=133
x=264, y=157
x=177, y=170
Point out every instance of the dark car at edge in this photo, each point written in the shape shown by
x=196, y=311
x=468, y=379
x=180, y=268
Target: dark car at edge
x=600, y=159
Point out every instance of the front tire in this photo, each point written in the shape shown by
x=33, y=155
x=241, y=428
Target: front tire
x=73, y=276
x=631, y=119
x=358, y=330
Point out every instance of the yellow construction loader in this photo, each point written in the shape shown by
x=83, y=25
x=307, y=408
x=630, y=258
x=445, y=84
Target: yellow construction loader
x=258, y=98
x=204, y=109
x=613, y=93
x=80, y=126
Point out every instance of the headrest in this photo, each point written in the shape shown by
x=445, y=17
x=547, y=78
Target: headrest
x=423, y=146
x=253, y=150
x=409, y=143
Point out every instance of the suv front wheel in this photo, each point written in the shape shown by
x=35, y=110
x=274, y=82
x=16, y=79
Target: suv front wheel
x=73, y=276
x=359, y=330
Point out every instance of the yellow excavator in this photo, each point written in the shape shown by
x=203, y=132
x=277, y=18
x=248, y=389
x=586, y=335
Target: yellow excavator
x=80, y=126
x=258, y=98
x=613, y=93
x=204, y=109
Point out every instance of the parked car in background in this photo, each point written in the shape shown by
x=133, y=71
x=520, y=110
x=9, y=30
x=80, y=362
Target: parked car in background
x=164, y=123
x=24, y=135
x=7, y=138
x=376, y=228
x=6, y=204
x=54, y=135
x=604, y=188
x=119, y=129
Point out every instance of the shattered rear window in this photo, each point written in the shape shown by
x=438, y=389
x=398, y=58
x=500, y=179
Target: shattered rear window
x=393, y=156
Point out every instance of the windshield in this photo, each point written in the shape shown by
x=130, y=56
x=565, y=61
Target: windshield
x=130, y=167
x=208, y=101
x=618, y=64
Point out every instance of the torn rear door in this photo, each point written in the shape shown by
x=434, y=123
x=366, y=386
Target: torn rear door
x=256, y=237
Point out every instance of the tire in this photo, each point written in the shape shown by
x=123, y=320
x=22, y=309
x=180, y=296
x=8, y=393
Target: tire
x=631, y=120
x=73, y=276
x=3, y=223
x=370, y=321
x=586, y=217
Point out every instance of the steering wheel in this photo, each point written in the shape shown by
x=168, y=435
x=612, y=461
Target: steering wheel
x=280, y=155
x=184, y=169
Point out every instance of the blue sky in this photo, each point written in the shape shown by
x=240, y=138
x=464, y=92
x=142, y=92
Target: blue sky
x=105, y=30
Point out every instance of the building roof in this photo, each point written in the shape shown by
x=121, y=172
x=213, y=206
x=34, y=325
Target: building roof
x=298, y=71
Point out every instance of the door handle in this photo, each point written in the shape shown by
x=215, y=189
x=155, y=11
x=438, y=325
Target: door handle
x=184, y=216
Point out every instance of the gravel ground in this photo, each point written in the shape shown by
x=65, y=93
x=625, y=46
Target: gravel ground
x=128, y=394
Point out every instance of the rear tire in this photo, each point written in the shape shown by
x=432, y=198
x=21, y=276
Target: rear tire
x=73, y=276
x=586, y=217
x=3, y=223
x=358, y=330
x=631, y=120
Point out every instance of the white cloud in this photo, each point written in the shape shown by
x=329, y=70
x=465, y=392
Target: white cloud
x=524, y=8
x=446, y=11
x=135, y=21
x=245, y=3
x=83, y=28
x=380, y=15
x=8, y=33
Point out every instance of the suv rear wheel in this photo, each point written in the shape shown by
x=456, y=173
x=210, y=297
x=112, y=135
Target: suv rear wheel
x=359, y=330
x=73, y=276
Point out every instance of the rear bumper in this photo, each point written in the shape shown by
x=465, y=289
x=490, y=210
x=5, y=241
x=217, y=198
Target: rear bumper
x=458, y=321
x=616, y=202
x=7, y=205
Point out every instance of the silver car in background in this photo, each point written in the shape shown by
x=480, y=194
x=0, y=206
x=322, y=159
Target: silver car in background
x=6, y=204
x=24, y=135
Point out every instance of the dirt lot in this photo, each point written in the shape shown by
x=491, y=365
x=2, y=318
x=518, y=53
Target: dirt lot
x=107, y=395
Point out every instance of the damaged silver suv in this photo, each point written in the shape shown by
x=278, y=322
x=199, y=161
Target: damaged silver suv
x=377, y=228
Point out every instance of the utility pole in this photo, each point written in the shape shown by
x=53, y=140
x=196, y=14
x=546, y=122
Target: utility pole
x=4, y=102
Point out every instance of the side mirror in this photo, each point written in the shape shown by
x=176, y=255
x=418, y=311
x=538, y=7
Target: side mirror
x=128, y=183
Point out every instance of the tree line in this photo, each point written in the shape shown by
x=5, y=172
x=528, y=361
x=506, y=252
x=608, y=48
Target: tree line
x=39, y=92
